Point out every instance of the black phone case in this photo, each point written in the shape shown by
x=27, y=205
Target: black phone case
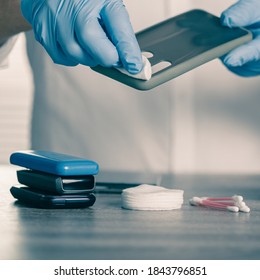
x=38, y=199
x=185, y=41
x=56, y=184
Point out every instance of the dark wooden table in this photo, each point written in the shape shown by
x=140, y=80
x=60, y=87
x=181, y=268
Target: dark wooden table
x=106, y=231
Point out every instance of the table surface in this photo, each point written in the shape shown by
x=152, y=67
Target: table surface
x=106, y=231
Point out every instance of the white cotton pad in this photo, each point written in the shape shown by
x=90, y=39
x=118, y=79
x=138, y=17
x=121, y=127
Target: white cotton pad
x=145, y=74
x=149, y=197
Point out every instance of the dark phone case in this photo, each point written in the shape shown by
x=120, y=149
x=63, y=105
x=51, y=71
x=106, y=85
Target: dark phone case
x=38, y=199
x=56, y=184
x=186, y=41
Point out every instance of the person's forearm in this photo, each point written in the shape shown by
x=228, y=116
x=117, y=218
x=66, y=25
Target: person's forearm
x=11, y=19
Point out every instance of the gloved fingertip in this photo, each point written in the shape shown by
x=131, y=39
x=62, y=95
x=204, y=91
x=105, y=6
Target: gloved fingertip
x=134, y=68
x=226, y=20
x=232, y=61
x=117, y=64
x=109, y=58
x=134, y=63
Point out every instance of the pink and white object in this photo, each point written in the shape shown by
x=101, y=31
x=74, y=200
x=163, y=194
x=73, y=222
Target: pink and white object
x=232, y=204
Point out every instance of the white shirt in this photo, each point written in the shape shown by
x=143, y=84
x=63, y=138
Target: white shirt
x=81, y=112
x=5, y=49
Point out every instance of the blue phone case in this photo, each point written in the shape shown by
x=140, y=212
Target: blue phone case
x=54, y=163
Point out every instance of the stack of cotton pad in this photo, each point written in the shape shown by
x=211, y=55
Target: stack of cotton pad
x=149, y=197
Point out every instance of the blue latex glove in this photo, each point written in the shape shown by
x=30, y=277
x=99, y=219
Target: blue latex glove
x=89, y=32
x=244, y=60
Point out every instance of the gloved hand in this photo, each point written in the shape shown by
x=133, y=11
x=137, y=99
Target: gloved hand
x=244, y=60
x=89, y=32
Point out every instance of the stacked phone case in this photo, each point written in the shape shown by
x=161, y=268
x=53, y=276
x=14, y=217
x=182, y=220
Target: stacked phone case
x=178, y=45
x=54, y=180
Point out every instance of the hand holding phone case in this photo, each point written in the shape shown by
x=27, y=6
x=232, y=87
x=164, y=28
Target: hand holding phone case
x=180, y=44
